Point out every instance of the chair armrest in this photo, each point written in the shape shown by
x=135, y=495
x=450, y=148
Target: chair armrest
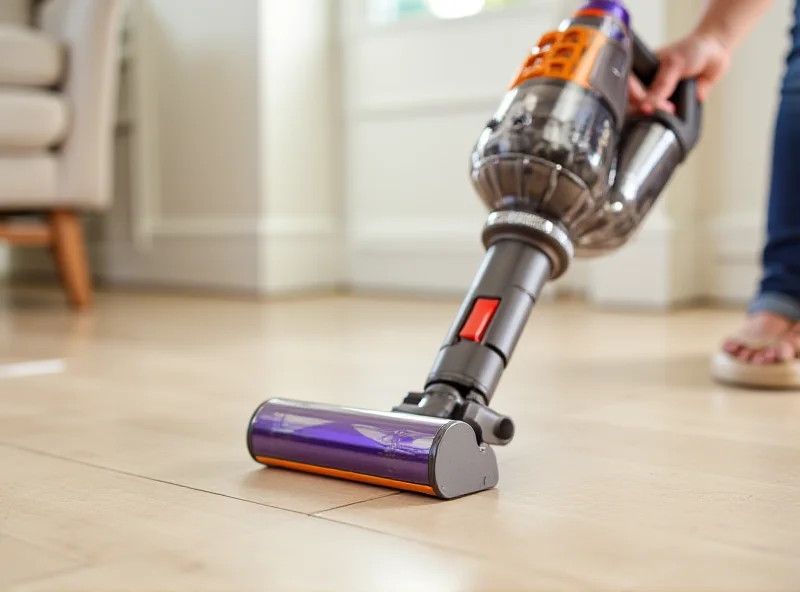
x=91, y=31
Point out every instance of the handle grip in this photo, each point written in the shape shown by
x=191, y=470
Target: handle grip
x=688, y=118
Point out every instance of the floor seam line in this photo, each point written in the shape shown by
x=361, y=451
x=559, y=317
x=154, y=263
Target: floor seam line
x=38, y=546
x=146, y=478
x=54, y=574
x=384, y=496
x=181, y=485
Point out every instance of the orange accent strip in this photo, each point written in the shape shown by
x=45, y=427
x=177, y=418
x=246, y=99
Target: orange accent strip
x=564, y=55
x=591, y=12
x=350, y=476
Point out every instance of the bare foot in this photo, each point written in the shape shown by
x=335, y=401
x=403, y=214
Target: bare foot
x=767, y=328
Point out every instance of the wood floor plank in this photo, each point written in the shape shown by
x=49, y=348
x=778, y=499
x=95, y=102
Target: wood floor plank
x=92, y=515
x=22, y=562
x=163, y=442
x=361, y=562
x=127, y=533
x=612, y=546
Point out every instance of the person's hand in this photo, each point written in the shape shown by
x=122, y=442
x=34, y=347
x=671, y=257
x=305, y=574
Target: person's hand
x=698, y=56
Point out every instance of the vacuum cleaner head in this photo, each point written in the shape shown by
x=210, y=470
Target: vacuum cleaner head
x=433, y=456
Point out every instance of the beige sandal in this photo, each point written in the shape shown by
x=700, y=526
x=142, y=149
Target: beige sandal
x=728, y=369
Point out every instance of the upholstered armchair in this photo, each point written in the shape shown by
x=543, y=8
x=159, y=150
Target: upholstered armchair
x=58, y=96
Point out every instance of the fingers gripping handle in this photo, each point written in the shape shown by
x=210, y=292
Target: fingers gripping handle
x=688, y=118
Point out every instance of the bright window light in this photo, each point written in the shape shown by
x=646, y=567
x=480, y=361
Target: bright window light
x=383, y=12
x=453, y=9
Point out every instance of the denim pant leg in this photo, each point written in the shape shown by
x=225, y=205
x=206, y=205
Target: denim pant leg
x=779, y=291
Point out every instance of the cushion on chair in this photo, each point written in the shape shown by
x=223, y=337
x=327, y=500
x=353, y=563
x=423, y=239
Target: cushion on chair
x=29, y=57
x=27, y=181
x=31, y=119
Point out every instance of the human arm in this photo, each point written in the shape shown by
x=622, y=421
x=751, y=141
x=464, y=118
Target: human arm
x=730, y=21
x=704, y=53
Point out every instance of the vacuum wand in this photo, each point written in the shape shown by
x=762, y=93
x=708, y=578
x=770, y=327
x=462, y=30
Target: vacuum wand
x=482, y=339
x=564, y=171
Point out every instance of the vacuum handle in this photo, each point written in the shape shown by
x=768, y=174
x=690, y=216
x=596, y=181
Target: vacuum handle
x=687, y=120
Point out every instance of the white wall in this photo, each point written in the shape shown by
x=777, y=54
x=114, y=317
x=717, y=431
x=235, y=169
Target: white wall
x=226, y=174
x=187, y=204
x=300, y=135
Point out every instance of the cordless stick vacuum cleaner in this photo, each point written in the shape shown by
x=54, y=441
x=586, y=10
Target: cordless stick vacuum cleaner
x=565, y=173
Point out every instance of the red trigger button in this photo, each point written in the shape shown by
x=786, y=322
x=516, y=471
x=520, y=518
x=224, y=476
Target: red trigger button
x=479, y=318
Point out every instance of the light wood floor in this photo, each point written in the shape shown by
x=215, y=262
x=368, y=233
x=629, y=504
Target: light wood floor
x=123, y=463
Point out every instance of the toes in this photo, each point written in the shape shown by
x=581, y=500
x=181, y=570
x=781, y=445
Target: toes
x=745, y=354
x=732, y=347
x=786, y=351
x=767, y=356
x=785, y=348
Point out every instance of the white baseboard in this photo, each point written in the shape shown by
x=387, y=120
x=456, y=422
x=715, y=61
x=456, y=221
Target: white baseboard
x=246, y=256
x=297, y=258
x=216, y=262
x=735, y=243
x=657, y=269
x=413, y=257
x=674, y=262
x=668, y=263
x=265, y=257
x=389, y=268
x=738, y=237
x=37, y=263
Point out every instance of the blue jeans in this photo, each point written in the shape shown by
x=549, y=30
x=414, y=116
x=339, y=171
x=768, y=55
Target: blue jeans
x=779, y=289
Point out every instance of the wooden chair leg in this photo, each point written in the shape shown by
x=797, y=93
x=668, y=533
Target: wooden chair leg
x=69, y=249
